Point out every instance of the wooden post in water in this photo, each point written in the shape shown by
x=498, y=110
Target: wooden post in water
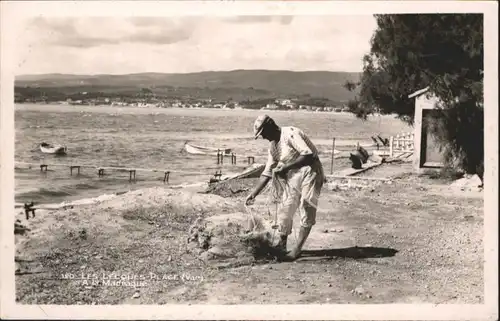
x=77, y=167
x=28, y=208
x=132, y=175
x=333, y=155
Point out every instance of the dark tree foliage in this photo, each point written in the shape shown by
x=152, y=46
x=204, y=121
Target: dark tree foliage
x=316, y=101
x=441, y=51
x=257, y=103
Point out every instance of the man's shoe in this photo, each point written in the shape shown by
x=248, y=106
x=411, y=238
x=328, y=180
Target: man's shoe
x=293, y=254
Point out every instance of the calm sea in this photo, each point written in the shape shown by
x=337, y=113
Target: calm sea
x=154, y=138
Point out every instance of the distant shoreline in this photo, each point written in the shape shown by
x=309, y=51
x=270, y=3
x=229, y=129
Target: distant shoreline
x=345, y=113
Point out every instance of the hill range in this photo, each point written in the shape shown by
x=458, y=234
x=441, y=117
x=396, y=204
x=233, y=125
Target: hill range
x=236, y=84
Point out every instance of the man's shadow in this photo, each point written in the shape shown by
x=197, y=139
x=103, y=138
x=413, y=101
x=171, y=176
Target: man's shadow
x=349, y=252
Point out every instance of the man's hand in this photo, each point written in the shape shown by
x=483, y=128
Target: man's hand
x=250, y=199
x=262, y=183
x=281, y=170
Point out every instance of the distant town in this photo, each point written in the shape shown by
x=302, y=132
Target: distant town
x=148, y=100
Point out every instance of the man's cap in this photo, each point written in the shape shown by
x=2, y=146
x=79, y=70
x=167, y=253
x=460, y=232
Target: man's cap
x=260, y=123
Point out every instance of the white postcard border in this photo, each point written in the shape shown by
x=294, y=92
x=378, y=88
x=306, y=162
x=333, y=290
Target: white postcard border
x=11, y=14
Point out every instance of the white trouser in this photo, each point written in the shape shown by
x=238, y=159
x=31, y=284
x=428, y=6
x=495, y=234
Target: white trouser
x=301, y=192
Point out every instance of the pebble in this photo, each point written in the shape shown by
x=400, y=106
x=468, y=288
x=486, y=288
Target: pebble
x=326, y=231
x=303, y=291
x=358, y=290
x=169, y=258
x=329, y=285
x=136, y=295
x=368, y=296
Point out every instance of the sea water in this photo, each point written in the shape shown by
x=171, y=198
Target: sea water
x=153, y=138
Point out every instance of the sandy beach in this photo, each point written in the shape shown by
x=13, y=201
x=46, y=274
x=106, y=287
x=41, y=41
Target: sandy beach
x=370, y=245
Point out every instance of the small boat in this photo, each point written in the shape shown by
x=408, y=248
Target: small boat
x=52, y=149
x=384, y=141
x=200, y=150
x=253, y=171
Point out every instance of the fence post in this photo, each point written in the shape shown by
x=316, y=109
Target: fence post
x=333, y=156
x=391, y=148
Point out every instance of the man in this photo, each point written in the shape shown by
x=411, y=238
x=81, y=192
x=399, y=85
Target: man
x=293, y=157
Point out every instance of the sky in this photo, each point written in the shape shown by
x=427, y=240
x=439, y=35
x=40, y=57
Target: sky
x=121, y=45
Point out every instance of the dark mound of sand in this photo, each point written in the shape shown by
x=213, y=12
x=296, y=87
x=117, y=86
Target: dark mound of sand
x=232, y=239
x=233, y=187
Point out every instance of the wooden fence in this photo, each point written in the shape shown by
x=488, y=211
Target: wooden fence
x=401, y=144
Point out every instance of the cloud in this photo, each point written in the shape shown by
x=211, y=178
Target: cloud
x=285, y=20
x=118, y=45
x=93, y=32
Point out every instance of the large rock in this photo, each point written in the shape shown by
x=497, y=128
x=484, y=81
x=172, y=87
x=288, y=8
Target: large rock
x=467, y=183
